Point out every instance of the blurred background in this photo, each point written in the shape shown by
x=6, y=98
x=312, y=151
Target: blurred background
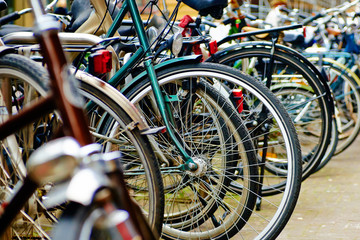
x=259, y=8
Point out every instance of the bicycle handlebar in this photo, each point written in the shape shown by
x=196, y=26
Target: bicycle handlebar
x=249, y=16
x=51, y=5
x=13, y=16
x=341, y=8
x=17, y=14
x=10, y=17
x=311, y=19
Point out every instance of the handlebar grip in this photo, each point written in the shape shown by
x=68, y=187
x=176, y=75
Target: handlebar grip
x=3, y=5
x=10, y=17
x=310, y=19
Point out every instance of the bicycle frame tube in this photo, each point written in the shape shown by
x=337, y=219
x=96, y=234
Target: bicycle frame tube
x=139, y=28
x=131, y=7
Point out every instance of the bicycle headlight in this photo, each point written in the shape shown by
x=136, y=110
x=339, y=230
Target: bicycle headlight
x=152, y=34
x=177, y=44
x=55, y=161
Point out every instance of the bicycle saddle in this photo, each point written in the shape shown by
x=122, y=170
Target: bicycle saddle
x=205, y=7
x=80, y=11
x=294, y=37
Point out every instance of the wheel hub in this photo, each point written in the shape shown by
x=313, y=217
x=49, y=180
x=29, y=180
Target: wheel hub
x=202, y=167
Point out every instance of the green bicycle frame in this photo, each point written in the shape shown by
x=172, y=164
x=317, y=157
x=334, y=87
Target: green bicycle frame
x=145, y=50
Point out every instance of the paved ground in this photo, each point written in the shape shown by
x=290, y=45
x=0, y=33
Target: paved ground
x=329, y=204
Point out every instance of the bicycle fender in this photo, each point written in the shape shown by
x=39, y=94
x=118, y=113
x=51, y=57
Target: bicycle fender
x=264, y=44
x=163, y=65
x=290, y=85
x=86, y=78
x=6, y=50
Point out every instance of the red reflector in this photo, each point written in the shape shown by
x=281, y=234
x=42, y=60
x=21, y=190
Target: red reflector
x=213, y=47
x=100, y=62
x=238, y=98
x=163, y=130
x=304, y=32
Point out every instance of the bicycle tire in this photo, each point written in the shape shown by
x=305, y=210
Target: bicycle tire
x=17, y=69
x=194, y=215
x=148, y=161
x=298, y=94
x=273, y=227
x=332, y=147
x=21, y=69
x=313, y=156
x=347, y=101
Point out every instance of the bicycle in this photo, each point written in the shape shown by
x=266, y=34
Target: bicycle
x=79, y=130
x=284, y=71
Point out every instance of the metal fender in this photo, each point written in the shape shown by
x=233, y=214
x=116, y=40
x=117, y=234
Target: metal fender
x=130, y=109
x=163, y=65
x=290, y=85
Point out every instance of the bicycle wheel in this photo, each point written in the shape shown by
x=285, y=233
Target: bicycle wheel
x=312, y=116
x=196, y=218
x=22, y=82
x=332, y=146
x=140, y=167
x=292, y=97
x=347, y=101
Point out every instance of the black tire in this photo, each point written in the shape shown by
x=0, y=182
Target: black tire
x=286, y=65
x=281, y=122
x=141, y=156
x=29, y=82
x=347, y=102
x=332, y=147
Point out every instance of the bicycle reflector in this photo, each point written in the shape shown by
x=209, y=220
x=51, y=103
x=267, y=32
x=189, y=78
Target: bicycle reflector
x=238, y=99
x=213, y=47
x=100, y=62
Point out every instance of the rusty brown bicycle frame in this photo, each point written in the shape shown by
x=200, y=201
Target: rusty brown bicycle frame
x=74, y=124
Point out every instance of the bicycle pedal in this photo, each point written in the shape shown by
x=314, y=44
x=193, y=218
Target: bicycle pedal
x=153, y=130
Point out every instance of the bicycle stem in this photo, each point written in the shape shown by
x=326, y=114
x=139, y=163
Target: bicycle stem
x=189, y=163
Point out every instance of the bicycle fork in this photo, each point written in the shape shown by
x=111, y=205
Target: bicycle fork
x=189, y=163
x=269, y=72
